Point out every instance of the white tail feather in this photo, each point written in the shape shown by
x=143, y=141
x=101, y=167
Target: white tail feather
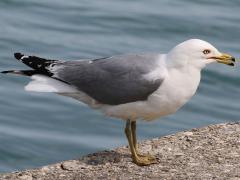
x=41, y=83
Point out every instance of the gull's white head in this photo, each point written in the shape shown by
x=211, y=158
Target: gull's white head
x=198, y=53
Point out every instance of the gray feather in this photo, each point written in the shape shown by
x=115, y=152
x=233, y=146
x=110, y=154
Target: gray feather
x=114, y=80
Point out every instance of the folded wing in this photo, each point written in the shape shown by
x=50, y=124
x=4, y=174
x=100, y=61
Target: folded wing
x=113, y=80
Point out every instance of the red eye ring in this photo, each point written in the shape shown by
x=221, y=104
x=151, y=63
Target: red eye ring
x=206, y=51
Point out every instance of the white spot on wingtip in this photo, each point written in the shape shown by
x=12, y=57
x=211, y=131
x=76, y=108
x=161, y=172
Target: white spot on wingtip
x=24, y=57
x=53, y=68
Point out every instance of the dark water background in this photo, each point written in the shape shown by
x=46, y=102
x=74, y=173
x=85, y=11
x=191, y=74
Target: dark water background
x=37, y=129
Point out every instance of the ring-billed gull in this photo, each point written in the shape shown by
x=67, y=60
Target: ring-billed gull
x=130, y=87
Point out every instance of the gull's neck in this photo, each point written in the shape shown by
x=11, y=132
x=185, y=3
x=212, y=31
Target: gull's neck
x=182, y=62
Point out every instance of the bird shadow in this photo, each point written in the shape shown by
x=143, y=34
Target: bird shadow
x=104, y=157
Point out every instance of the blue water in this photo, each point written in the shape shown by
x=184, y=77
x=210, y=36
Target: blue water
x=41, y=128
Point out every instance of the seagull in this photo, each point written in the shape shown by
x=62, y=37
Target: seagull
x=129, y=87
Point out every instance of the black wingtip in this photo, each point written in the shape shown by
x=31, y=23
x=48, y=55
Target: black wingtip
x=5, y=72
x=20, y=72
x=18, y=55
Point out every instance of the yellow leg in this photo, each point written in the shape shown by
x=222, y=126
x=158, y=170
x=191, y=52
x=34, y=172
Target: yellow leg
x=141, y=161
x=148, y=156
x=133, y=127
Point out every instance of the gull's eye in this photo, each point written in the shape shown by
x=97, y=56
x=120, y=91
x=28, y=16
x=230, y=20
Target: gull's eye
x=206, y=51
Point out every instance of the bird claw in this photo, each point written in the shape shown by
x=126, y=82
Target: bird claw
x=148, y=156
x=144, y=160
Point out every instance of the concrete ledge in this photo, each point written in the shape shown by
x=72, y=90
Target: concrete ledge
x=211, y=152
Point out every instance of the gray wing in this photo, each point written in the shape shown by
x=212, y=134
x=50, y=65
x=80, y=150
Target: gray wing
x=114, y=80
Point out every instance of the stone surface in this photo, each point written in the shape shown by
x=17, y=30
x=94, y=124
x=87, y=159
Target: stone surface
x=211, y=152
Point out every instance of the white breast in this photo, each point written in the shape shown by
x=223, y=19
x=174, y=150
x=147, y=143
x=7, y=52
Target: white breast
x=176, y=90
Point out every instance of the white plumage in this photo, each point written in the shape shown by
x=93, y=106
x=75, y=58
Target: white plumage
x=180, y=70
